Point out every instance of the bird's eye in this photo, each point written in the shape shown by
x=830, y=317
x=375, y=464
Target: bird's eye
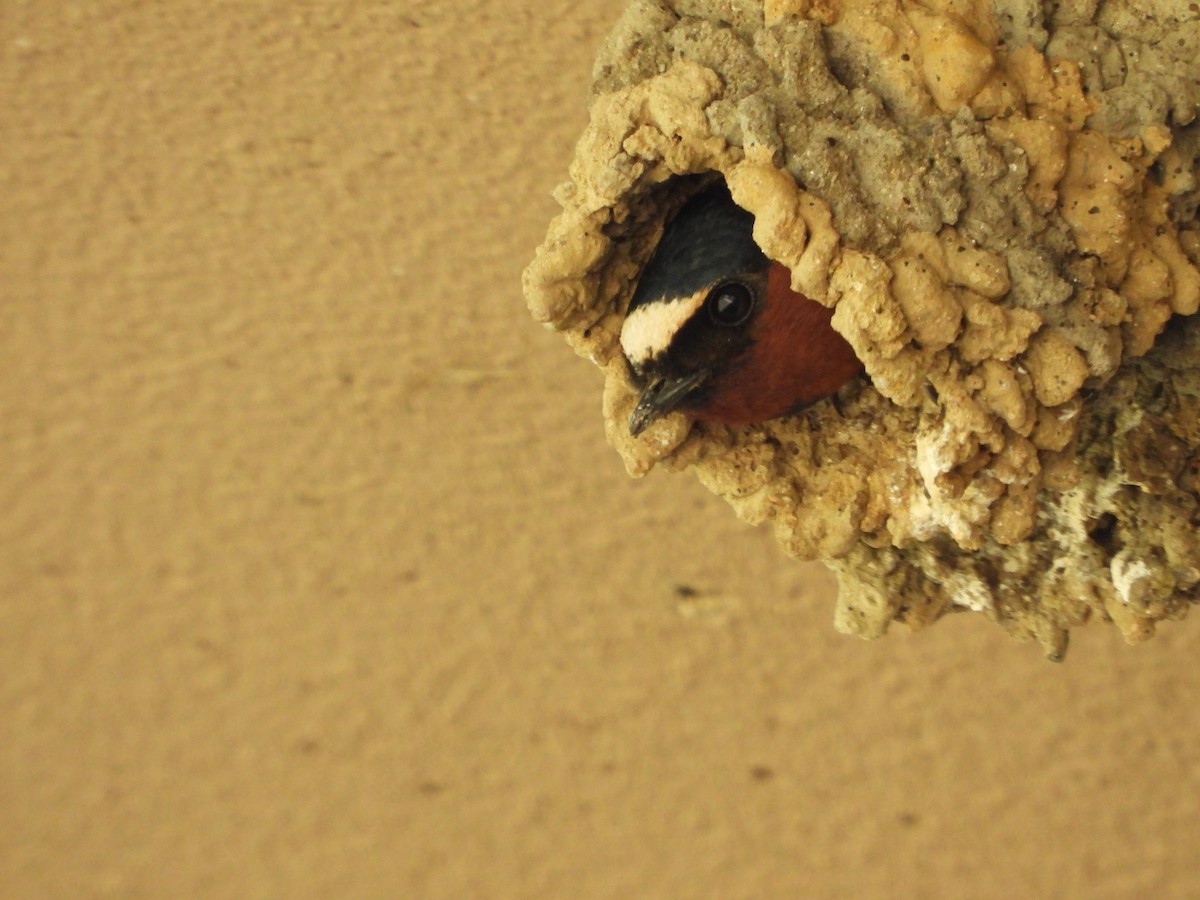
x=730, y=304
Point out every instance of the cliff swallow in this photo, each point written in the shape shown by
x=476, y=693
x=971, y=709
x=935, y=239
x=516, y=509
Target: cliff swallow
x=715, y=330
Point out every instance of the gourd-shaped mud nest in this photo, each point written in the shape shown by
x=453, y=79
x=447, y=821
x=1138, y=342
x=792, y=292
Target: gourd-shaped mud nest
x=998, y=201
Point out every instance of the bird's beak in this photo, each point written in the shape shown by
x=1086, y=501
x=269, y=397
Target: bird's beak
x=661, y=396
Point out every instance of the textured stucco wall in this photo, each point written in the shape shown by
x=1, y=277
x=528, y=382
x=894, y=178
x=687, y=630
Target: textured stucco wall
x=317, y=577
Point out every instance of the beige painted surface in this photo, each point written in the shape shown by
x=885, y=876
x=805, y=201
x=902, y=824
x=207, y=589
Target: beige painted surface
x=318, y=579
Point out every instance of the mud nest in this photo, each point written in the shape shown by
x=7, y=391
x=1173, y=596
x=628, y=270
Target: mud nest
x=998, y=199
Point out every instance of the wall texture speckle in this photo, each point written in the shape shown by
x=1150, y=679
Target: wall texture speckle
x=317, y=577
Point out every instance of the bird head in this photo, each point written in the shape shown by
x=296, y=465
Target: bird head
x=715, y=330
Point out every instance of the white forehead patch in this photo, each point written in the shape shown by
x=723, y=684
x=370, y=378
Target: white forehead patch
x=648, y=330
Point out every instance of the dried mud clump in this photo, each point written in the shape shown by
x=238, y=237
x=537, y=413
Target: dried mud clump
x=998, y=199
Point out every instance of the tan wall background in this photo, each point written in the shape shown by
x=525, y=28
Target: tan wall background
x=318, y=579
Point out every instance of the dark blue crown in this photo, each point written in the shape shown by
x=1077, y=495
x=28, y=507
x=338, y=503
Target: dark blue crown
x=711, y=238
